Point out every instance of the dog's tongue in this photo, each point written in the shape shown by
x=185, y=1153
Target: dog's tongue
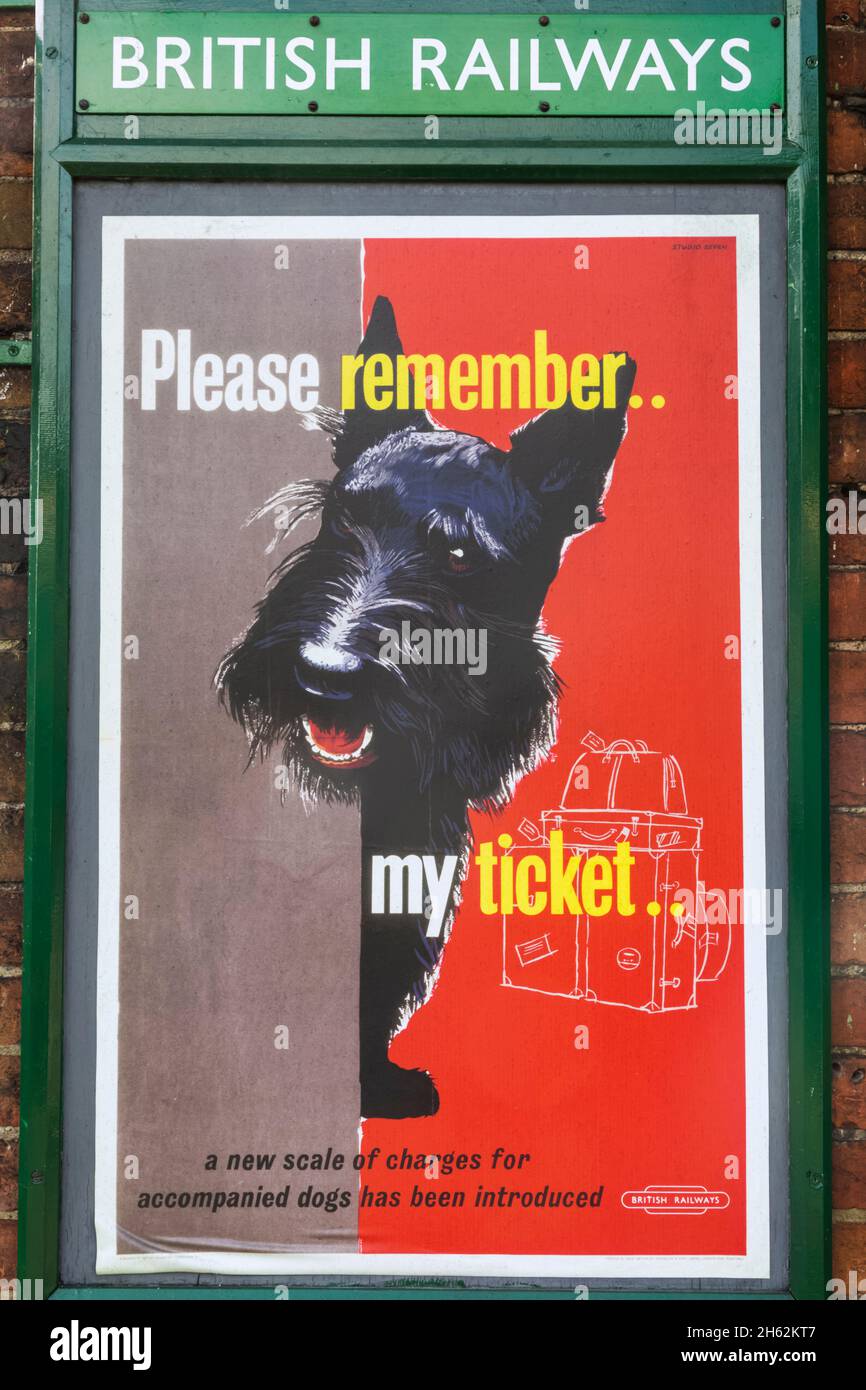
x=337, y=742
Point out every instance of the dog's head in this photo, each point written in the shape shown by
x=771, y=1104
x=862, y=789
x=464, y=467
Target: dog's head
x=432, y=545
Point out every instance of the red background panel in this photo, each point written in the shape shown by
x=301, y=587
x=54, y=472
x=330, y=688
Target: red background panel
x=642, y=606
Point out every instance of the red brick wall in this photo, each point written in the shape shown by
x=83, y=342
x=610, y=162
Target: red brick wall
x=846, y=33
x=846, y=280
x=16, y=122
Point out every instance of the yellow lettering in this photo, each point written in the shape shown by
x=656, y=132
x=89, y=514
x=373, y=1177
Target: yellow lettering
x=505, y=367
x=486, y=861
x=462, y=376
x=623, y=863
x=611, y=363
x=427, y=370
x=350, y=368
x=596, y=882
x=530, y=901
x=378, y=378
x=545, y=362
x=584, y=381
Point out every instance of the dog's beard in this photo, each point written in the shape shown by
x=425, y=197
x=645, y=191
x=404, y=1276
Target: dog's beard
x=426, y=724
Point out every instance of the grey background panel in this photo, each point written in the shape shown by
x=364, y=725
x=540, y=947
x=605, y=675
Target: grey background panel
x=95, y=200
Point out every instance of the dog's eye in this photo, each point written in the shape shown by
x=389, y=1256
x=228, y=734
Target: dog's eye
x=455, y=555
x=459, y=559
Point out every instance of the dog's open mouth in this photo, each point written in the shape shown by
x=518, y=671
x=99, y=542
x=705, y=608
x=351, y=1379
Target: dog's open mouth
x=339, y=747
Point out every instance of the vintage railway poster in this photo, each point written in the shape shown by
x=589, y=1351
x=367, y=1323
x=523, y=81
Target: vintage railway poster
x=433, y=903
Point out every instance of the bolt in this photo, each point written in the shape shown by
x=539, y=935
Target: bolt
x=544, y=106
x=812, y=61
x=13, y=349
x=84, y=104
x=314, y=20
x=816, y=1180
x=543, y=21
x=312, y=106
x=51, y=53
x=775, y=21
x=84, y=18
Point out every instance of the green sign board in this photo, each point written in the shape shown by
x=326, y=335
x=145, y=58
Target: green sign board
x=420, y=64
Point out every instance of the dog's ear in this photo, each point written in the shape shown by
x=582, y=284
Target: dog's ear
x=362, y=427
x=565, y=456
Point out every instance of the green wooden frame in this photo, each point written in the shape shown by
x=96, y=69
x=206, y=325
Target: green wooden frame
x=69, y=145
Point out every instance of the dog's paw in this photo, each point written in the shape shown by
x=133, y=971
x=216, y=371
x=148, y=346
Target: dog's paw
x=395, y=1093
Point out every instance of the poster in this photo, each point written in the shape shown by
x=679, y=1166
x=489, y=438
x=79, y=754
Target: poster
x=433, y=902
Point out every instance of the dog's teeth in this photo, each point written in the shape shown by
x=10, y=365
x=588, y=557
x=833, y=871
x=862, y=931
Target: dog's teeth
x=336, y=757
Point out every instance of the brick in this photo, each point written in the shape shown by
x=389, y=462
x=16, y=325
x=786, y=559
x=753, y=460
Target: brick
x=15, y=296
x=849, y=1094
x=16, y=150
x=16, y=213
x=846, y=216
x=10, y=1012
x=14, y=389
x=847, y=448
x=842, y=12
x=846, y=372
x=8, y=1174
x=12, y=767
x=848, y=687
x=16, y=63
x=848, y=1014
x=13, y=608
x=847, y=547
x=10, y=923
x=847, y=605
x=847, y=848
x=847, y=768
x=11, y=843
x=16, y=19
x=8, y=1249
x=846, y=140
x=846, y=294
x=12, y=666
x=849, y=1249
x=849, y=1176
x=846, y=61
x=10, y=1087
x=14, y=457
x=848, y=929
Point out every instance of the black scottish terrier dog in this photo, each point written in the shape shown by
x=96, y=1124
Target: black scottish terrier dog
x=442, y=530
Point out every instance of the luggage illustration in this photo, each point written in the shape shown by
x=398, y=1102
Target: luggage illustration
x=653, y=960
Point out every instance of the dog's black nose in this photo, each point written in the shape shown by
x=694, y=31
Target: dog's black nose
x=327, y=671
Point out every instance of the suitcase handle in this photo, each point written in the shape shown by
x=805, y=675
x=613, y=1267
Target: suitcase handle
x=625, y=745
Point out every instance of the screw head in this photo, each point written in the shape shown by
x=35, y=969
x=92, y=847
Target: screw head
x=775, y=21
x=51, y=53
x=543, y=21
x=13, y=349
x=312, y=106
x=314, y=20
x=84, y=19
x=812, y=60
x=774, y=106
x=84, y=104
x=544, y=106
